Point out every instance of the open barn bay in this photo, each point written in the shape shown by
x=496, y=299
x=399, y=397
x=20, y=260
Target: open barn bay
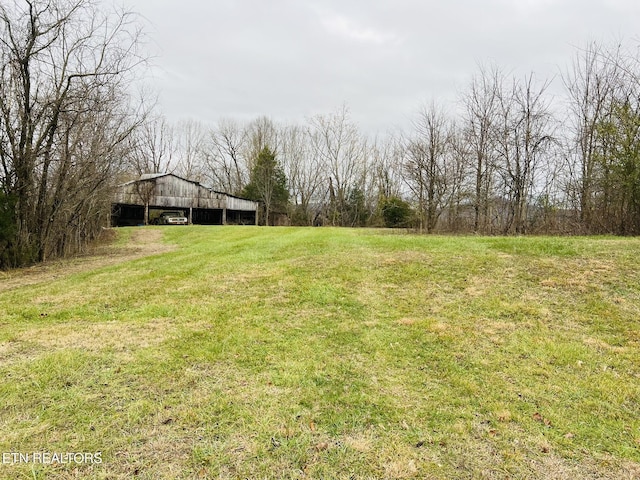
x=248, y=352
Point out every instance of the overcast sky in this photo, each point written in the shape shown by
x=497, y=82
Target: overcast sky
x=290, y=59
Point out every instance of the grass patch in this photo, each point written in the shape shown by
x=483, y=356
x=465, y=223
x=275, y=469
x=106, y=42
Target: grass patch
x=233, y=352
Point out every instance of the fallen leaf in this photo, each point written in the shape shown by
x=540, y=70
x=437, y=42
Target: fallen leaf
x=321, y=446
x=312, y=426
x=539, y=418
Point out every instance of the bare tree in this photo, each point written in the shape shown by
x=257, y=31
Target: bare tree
x=152, y=148
x=387, y=167
x=481, y=103
x=523, y=138
x=426, y=164
x=591, y=85
x=226, y=167
x=261, y=133
x=64, y=68
x=460, y=190
x=191, y=144
x=337, y=144
x=304, y=173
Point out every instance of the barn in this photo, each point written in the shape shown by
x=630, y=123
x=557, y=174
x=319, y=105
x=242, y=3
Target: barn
x=141, y=201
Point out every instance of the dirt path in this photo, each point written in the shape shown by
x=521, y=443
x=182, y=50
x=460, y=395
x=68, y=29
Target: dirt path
x=144, y=241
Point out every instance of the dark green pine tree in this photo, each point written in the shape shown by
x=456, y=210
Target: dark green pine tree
x=395, y=212
x=268, y=184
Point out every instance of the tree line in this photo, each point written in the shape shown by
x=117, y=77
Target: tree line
x=65, y=117
x=511, y=159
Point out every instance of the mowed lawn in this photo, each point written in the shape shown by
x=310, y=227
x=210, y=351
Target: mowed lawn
x=248, y=352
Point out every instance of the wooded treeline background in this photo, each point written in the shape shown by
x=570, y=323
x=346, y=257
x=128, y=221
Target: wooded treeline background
x=508, y=158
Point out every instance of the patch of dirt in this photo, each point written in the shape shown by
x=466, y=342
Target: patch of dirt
x=584, y=276
x=553, y=466
x=407, y=321
x=603, y=346
x=13, y=351
x=122, y=338
x=401, y=469
x=359, y=442
x=144, y=242
x=95, y=337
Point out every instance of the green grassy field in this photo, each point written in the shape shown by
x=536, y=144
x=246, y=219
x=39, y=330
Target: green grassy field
x=247, y=352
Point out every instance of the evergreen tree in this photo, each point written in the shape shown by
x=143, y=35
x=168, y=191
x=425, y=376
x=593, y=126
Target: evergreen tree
x=268, y=184
x=618, y=159
x=395, y=212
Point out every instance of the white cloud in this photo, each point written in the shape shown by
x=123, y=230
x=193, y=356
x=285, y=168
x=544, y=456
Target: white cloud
x=341, y=25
